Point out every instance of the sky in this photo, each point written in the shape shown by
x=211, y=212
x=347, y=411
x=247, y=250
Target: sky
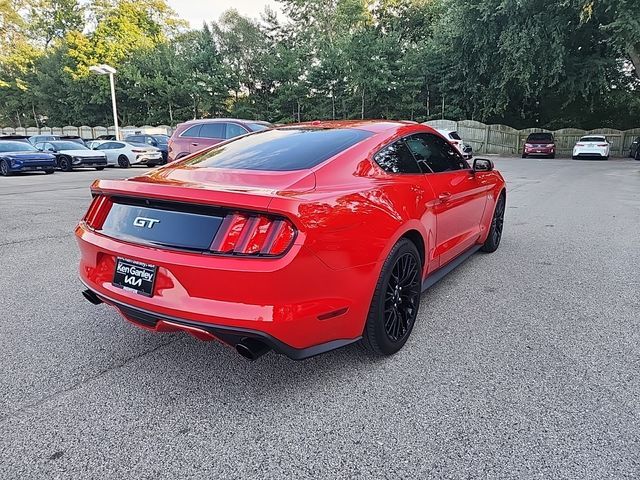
x=198, y=11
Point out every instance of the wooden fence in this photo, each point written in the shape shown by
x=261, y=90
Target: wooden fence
x=504, y=140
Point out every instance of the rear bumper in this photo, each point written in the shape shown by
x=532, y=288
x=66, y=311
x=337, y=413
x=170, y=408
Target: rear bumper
x=539, y=151
x=229, y=335
x=148, y=160
x=589, y=156
x=295, y=304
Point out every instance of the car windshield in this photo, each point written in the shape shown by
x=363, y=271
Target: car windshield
x=540, y=137
x=16, y=147
x=593, y=139
x=69, y=146
x=280, y=150
x=161, y=139
x=455, y=136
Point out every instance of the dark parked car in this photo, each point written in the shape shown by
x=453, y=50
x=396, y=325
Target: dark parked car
x=159, y=141
x=70, y=155
x=190, y=137
x=541, y=143
x=634, y=151
x=20, y=156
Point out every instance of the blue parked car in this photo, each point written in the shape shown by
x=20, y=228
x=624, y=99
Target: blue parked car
x=16, y=156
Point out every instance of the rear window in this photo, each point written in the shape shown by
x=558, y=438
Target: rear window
x=256, y=127
x=593, y=139
x=540, y=137
x=280, y=150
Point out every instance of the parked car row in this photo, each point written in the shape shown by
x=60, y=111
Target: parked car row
x=48, y=153
x=587, y=147
x=66, y=152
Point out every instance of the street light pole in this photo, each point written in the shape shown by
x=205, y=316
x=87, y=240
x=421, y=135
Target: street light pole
x=113, y=104
x=108, y=70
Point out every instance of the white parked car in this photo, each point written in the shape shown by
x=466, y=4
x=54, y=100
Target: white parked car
x=70, y=155
x=126, y=154
x=592, y=146
x=465, y=150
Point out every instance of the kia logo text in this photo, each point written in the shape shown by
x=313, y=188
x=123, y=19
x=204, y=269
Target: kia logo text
x=145, y=222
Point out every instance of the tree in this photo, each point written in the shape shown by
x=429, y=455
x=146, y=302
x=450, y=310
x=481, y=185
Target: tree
x=51, y=20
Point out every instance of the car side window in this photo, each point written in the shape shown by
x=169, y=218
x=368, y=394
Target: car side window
x=105, y=146
x=435, y=154
x=234, y=130
x=397, y=158
x=192, y=131
x=116, y=145
x=212, y=130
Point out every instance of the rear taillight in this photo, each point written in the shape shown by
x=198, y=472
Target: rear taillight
x=603, y=144
x=98, y=210
x=258, y=235
x=579, y=144
x=137, y=150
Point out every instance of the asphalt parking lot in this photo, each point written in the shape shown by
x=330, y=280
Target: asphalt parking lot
x=523, y=364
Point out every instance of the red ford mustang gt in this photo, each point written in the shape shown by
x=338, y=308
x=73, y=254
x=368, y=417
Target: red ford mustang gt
x=299, y=239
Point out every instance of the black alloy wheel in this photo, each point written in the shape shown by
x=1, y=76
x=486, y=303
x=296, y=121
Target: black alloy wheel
x=64, y=163
x=395, y=302
x=401, y=297
x=123, y=161
x=497, y=224
x=5, y=171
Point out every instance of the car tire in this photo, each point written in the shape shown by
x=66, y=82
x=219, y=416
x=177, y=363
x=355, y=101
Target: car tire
x=99, y=168
x=606, y=158
x=637, y=157
x=524, y=155
x=5, y=171
x=64, y=163
x=123, y=161
x=553, y=155
x=393, y=312
x=497, y=223
x=49, y=171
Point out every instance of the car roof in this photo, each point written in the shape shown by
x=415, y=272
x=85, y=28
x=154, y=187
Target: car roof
x=218, y=120
x=15, y=138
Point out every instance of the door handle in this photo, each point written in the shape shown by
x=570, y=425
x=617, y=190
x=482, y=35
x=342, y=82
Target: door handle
x=444, y=197
x=195, y=144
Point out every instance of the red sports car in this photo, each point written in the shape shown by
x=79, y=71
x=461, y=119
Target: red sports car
x=299, y=239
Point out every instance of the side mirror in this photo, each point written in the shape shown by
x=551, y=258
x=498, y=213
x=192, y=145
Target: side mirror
x=51, y=149
x=482, y=165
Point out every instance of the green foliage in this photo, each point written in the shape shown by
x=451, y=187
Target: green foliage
x=521, y=62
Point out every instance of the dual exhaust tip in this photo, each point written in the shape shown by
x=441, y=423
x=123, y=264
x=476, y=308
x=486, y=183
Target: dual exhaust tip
x=250, y=348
